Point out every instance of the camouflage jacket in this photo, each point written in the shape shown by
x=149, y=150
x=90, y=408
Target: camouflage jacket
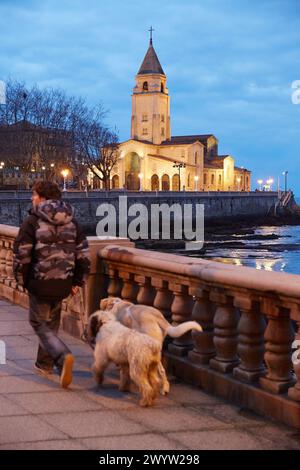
x=51, y=252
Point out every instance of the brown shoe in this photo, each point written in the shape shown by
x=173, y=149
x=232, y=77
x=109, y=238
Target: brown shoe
x=67, y=370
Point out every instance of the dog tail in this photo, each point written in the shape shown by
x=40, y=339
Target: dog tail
x=179, y=330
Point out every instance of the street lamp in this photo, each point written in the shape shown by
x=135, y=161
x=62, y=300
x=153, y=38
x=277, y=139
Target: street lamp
x=140, y=175
x=285, y=173
x=238, y=182
x=179, y=166
x=270, y=181
x=65, y=175
x=196, y=178
x=260, y=182
x=1, y=168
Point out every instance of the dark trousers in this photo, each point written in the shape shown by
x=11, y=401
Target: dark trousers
x=44, y=317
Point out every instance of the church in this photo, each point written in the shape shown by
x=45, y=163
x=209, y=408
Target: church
x=154, y=160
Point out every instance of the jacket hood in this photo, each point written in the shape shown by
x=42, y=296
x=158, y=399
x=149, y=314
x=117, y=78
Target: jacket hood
x=56, y=212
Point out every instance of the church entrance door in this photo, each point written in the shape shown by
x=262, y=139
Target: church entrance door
x=132, y=170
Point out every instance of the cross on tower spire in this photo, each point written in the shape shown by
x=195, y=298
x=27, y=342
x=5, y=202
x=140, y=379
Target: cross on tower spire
x=151, y=30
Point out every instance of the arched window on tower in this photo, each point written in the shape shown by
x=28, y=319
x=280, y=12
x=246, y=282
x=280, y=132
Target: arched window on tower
x=162, y=89
x=145, y=86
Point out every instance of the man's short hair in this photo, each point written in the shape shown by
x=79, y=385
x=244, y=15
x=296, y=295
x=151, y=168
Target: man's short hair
x=47, y=189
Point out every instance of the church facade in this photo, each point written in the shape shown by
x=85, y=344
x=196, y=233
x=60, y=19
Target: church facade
x=154, y=160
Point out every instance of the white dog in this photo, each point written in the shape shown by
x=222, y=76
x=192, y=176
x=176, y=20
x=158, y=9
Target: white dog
x=148, y=320
x=137, y=355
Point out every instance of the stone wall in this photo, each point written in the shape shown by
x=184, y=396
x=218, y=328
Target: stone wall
x=218, y=205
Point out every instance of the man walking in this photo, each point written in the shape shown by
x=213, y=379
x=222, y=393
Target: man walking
x=51, y=260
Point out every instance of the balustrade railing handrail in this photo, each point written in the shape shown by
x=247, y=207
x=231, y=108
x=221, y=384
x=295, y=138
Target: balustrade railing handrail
x=280, y=284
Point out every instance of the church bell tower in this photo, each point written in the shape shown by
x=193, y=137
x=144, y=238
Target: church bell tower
x=150, y=120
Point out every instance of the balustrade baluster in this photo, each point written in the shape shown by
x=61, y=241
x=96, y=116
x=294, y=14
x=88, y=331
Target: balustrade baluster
x=115, y=284
x=130, y=288
x=203, y=313
x=225, y=333
x=278, y=336
x=146, y=294
x=181, y=308
x=251, y=347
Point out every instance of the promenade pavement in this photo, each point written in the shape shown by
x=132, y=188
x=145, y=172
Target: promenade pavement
x=35, y=413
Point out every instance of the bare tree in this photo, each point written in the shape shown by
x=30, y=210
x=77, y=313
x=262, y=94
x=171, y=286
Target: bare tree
x=98, y=147
x=46, y=130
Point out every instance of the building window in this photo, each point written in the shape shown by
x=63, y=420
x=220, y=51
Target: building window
x=212, y=179
x=162, y=88
x=220, y=180
x=144, y=118
x=189, y=180
x=162, y=118
x=162, y=131
x=145, y=86
x=196, y=158
x=145, y=131
x=182, y=153
x=205, y=178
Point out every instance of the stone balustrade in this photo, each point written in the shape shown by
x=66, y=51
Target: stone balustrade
x=250, y=319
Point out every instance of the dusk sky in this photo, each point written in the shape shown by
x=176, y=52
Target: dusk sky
x=230, y=65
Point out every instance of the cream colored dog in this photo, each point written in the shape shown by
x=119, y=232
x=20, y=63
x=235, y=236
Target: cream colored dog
x=150, y=321
x=137, y=355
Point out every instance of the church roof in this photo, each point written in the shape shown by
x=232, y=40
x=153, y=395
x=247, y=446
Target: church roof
x=151, y=63
x=187, y=139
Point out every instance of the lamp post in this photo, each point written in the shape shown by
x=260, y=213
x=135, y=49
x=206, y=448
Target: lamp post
x=65, y=175
x=196, y=178
x=285, y=173
x=260, y=182
x=179, y=166
x=2, y=175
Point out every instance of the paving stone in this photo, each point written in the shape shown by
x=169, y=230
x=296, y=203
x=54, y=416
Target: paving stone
x=11, y=368
x=26, y=384
x=66, y=444
x=111, y=398
x=14, y=328
x=227, y=439
x=279, y=436
x=9, y=408
x=186, y=394
x=54, y=402
x=16, y=341
x=15, y=429
x=91, y=423
x=173, y=419
x=22, y=352
x=232, y=414
x=133, y=442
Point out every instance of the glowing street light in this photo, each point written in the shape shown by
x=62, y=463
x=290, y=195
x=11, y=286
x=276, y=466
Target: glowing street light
x=196, y=178
x=65, y=175
x=270, y=181
x=285, y=173
x=260, y=182
x=238, y=182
